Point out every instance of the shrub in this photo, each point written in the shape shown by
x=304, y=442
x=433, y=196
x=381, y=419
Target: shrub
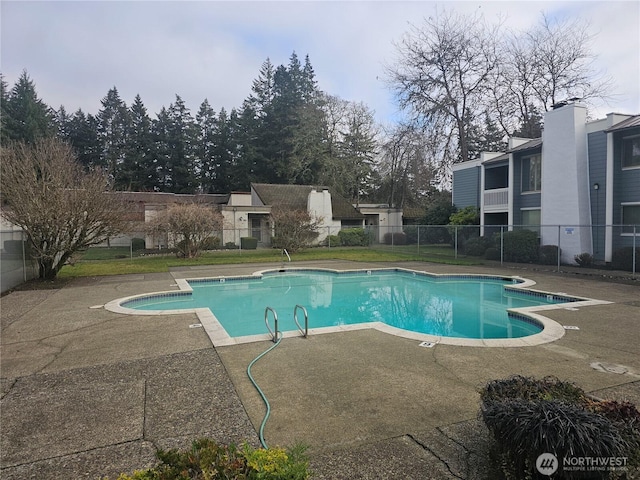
x=477, y=246
x=293, y=229
x=353, y=237
x=210, y=243
x=548, y=255
x=492, y=253
x=395, y=238
x=626, y=417
x=435, y=235
x=231, y=246
x=411, y=233
x=137, y=244
x=530, y=416
x=191, y=222
x=622, y=259
x=524, y=429
x=208, y=460
x=249, y=243
x=528, y=388
x=584, y=259
x=332, y=241
x=467, y=216
x=520, y=246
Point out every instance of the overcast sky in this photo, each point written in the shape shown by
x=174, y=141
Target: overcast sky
x=76, y=51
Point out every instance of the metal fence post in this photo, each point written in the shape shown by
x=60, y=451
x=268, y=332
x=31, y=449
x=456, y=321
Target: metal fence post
x=559, y=254
x=455, y=241
x=24, y=256
x=501, y=245
x=633, y=270
x=418, y=239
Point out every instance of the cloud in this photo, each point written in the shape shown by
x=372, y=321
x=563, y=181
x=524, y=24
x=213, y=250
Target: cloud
x=76, y=51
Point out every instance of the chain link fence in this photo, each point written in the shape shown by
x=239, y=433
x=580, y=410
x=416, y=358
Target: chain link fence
x=614, y=247
x=16, y=265
x=597, y=246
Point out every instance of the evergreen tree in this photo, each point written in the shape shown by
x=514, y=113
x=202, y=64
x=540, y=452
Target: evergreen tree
x=181, y=145
x=205, y=143
x=357, y=151
x=531, y=124
x=223, y=152
x=4, y=99
x=27, y=117
x=113, y=125
x=263, y=90
x=138, y=168
x=82, y=135
x=163, y=167
x=243, y=128
x=485, y=136
x=289, y=130
x=309, y=86
x=62, y=122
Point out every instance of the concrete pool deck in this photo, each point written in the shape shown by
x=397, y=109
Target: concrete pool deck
x=87, y=392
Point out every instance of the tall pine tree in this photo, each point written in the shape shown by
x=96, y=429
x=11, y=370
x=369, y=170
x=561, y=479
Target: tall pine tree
x=181, y=148
x=28, y=118
x=204, y=159
x=138, y=171
x=113, y=125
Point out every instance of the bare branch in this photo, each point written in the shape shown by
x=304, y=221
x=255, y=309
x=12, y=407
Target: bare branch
x=61, y=208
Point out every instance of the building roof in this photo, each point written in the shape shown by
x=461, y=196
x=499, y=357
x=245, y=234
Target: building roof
x=630, y=122
x=532, y=144
x=295, y=197
x=169, y=198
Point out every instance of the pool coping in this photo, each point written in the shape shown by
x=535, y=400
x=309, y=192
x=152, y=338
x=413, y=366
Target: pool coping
x=551, y=330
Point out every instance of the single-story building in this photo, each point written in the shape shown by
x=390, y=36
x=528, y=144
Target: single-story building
x=247, y=214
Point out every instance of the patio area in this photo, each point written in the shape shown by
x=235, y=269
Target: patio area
x=88, y=393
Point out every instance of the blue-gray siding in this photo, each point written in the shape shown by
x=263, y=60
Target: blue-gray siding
x=520, y=200
x=626, y=186
x=597, y=151
x=466, y=187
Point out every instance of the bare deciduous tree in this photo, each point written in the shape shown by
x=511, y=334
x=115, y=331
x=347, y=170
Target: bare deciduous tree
x=61, y=208
x=543, y=66
x=442, y=73
x=191, y=224
x=407, y=166
x=293, y=229
x=455, y=71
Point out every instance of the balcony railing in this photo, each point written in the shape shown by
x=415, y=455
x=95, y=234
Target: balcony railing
x=496, y=200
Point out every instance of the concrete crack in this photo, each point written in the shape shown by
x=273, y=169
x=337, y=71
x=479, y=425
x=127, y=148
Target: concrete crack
x=77, y=452
x=442, y=460
x=13, y=383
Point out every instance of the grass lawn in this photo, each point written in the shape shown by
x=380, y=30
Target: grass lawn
x=103, y=261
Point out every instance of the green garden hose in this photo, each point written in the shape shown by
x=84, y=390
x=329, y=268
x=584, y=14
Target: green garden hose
x=264, y=398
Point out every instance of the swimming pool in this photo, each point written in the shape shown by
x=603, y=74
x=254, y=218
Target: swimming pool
x=463, y=307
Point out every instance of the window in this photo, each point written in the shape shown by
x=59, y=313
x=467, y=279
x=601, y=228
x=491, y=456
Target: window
x=531, y=220
x=631, y=152
x=630, y=217
x=531, y=174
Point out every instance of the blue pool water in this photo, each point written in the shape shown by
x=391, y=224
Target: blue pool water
x=464, y=307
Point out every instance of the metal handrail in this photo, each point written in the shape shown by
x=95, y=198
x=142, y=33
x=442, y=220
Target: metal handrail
x=274, y=335
x=284, y=252
x=304, y=332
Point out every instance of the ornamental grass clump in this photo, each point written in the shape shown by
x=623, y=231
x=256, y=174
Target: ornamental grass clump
x=528, y=417
x=208, y=460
